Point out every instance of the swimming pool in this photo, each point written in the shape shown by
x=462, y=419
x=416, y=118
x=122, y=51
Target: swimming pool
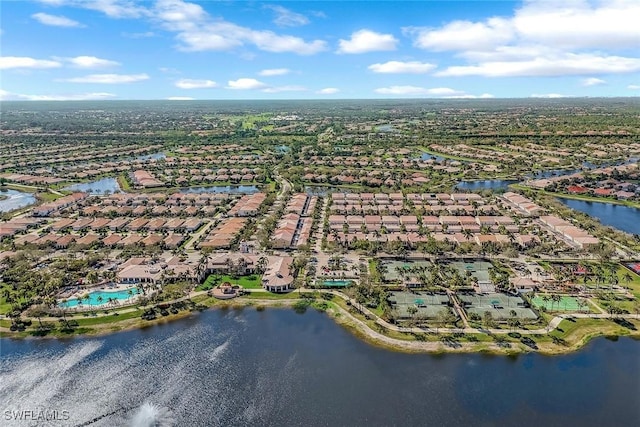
x=337, y=283
x=100, y=298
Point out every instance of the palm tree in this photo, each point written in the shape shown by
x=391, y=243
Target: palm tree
x=412, y=310
x=100, y=299
x=262, y=264
x=582, y=303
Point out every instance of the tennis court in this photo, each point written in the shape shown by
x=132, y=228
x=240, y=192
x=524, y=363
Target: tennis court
x=499, y=305
x=411, y=267
x=478, y=269
x=428, y=305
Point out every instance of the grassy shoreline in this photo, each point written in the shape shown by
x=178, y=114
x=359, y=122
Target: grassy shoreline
x=571, y=335
x=583, y=198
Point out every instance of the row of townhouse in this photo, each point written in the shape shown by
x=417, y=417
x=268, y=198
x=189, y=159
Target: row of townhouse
x=18, y=225
x=175, y=199
x=576, y=235
x=301, y=204
x=145, y=179
x=127, y=224
x=522, y=204
x=384, y=198
x=223, y=234
x=248, y=205
x=98, y=210
x=398, y=209
x=31, y=179
x=63, y=241
x=47, y=209
x=292, y=231
x=412, y=238
x=411, y=223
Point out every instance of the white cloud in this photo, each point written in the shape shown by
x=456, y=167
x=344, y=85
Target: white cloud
x=291, y=88
x=4, y=95
x=91, y=62
x=56, y=20
x=462, y=35
x=180, y=98
x=195, y=84
x=8, y=62
x=245, y=84
x=179, y=14
x=197, y=31
x=363, y=41
x=549, y=95
x=580, y=24
x=396, y=67
x=565, y=64
x=592, y=81
x=109, y=78
x=169, y=70
x=328, y=91
x=542, y=38
x=416, y=90
x=567, y=25
x=112, y=8
x=271, y=42
x=633, y=87
x=274, y=72
x=287, y=18
x=142, y=35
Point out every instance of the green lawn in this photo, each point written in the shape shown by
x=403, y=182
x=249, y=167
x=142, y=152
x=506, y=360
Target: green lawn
x=248, y=282
x=5, y=307
x=634, y=285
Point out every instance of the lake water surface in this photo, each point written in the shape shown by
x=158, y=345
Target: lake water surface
x=232, y=189
x=623, y=218
x=279, y=368
x=15, y=200
x=485, y=184
x=101, y=186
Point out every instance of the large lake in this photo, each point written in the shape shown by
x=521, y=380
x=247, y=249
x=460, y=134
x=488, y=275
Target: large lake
x=623, y=218
x=485, y=184
x=13, y=200
x=101, y=186
x=279, y=368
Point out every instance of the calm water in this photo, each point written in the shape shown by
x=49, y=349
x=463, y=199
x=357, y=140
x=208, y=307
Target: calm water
x=585, y=165
x=15, y=200
x=624, y=218
x=233, y=189
x=278, y=368
x=487, y=184
x=101, y=186
x=154, y=156
x=427, y=156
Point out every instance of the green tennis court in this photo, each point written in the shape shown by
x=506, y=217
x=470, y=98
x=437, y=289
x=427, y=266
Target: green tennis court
x=564, y=304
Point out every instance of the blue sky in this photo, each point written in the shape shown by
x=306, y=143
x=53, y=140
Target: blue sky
x=179, y=49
